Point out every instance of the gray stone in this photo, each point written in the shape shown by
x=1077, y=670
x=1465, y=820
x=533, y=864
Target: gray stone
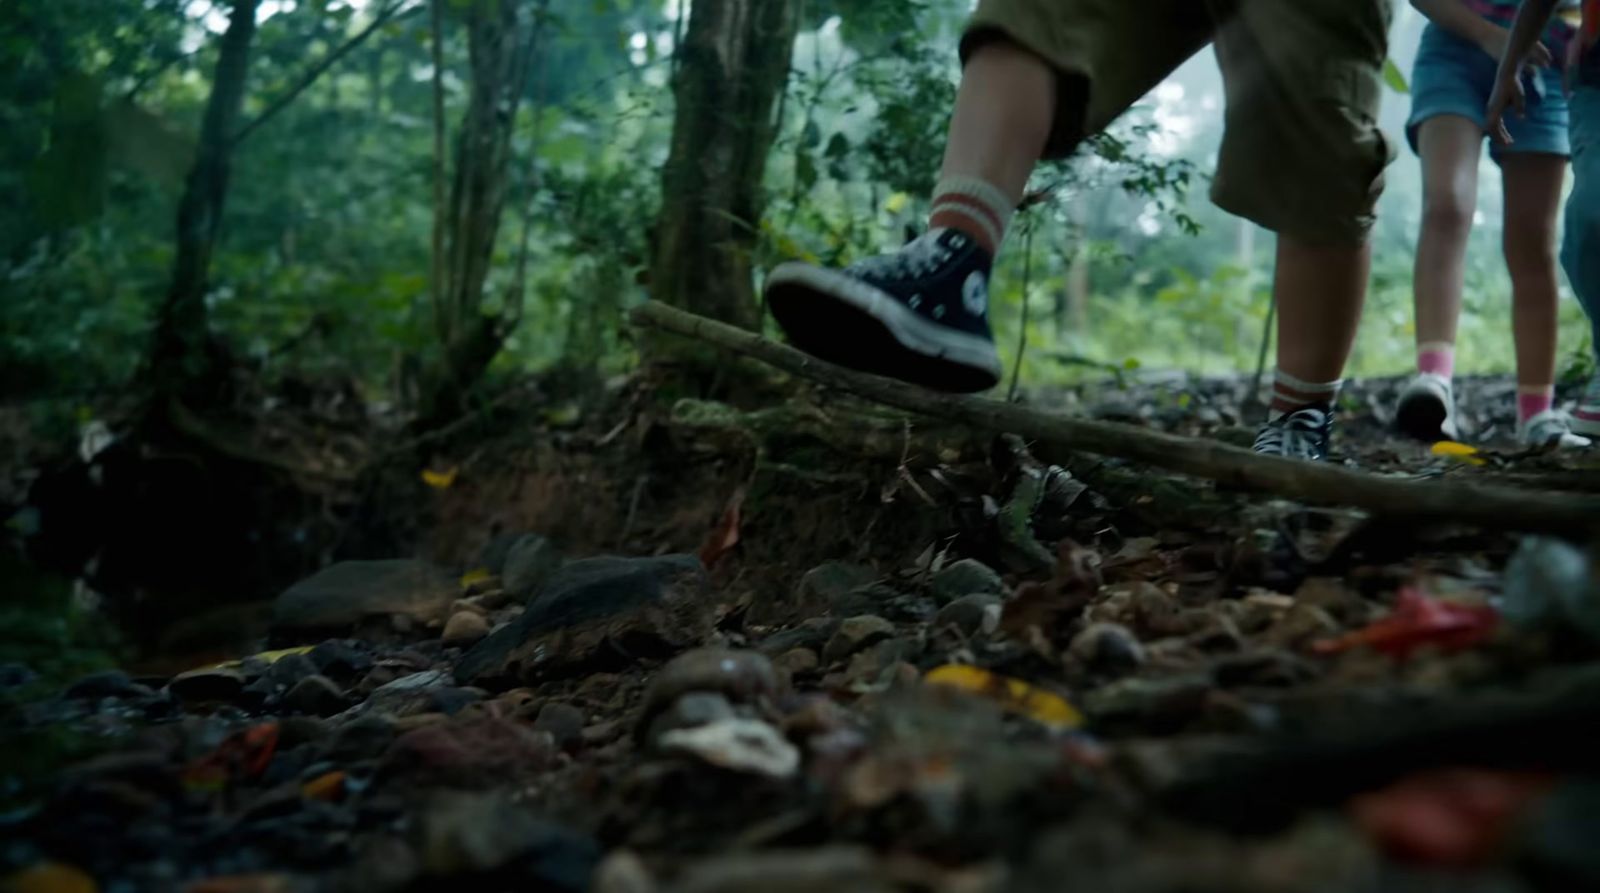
x=217, y=684
x=854, y=634
x=740, y=675
x=530, y=563
x=1107, y=648
x=339, y=660
x=290, y=669
x=971, y=614
x=105, y=684
x=965, y=577
x=588, y=594
x=464, y=628
x=812, y=633
x=694, y=709
x=342, y=595
x=826, y=583
x=564, y=722
x=314, y=696
x=797, y=660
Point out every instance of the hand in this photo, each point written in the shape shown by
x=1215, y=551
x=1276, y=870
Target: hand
x=1507, y=92
x=1495, y=39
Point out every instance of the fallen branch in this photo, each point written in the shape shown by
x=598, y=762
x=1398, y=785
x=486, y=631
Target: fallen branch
x=1457, y=501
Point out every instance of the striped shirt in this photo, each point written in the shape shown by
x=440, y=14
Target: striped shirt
x=1562, y=29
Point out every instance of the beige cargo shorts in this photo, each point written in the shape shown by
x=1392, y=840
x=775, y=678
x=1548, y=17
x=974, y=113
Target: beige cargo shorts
x=1302, y=153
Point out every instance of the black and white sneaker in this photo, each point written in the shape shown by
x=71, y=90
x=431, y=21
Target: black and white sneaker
x=919, y=314
x=1302, y=434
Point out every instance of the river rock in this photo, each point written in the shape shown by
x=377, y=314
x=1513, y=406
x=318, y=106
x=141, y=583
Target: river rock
x=530, y=563
x=105, y=684
x=966, y=577
x=213, y=684
x=971, y=614
x=314, y=696
x=854, y=634
x=342, y=595
x=564, y=722
x=1107, y=648
x=642, y=605
x=464, y=628
x=740, y=675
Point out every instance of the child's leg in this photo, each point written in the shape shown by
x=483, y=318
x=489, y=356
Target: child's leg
x=1533, y=183
x=1320, y=289
x=1450, y=147
x=1580, y=250
x=1005, y=90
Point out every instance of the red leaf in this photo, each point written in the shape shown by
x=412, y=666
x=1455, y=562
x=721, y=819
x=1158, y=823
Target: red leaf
x=1452, y=818
x=1418, y=620
x=242, y=755
x=725, y=535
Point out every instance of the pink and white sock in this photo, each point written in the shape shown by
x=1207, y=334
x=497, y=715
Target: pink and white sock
x=1534, y=399
x=974, y=206
x=1290, y=393
x=1437, y=358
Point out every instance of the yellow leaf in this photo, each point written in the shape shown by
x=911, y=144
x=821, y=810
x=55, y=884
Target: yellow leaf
x=476, y=575
x=563, y=416
x=1458, y=451
x=1044, y=707
x=270, y=657
x=440, y=480
x=896, y=203
x=49, y=877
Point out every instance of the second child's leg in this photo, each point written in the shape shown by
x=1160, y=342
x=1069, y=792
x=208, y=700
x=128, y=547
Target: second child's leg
x=1580, y=250
x=1533, y=183
x=1449, y=146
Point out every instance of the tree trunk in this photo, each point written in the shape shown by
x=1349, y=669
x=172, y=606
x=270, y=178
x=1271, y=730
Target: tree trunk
x=185, y=361
x=500, y=47
x=731, y=68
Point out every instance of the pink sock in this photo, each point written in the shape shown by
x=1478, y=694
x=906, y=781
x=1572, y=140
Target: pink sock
x=1533, y=400
x=1437, y=357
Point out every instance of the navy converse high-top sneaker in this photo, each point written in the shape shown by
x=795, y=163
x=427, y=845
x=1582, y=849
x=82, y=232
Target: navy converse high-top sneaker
x=919, y=314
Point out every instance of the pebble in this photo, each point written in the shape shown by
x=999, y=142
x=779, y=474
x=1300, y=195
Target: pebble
x=464, y=628
x=740, y=675
x=796, y=661
x=854, y=634
x=1302, y=624
x=288, y=670
x=564, y=722
x=694, y=709
x=965, y=577
x=216, y=684
x=314, y=696
x=971, y=614
x=622, y=871
x=337, y=659
x=1107, y=647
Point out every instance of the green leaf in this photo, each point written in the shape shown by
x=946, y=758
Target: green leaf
x=1394, y=78
x=805, y=170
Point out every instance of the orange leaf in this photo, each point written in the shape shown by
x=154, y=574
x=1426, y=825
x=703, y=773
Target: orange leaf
x=1418, y=620
x=327, y=786
x=244, y=754
x=725, y=535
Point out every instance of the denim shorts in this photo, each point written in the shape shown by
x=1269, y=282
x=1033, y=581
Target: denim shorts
x=1454, y=76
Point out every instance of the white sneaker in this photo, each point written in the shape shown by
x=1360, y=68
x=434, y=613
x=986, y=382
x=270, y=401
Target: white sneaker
x=1586, y=418
x=1550, y=428
x=1427, y=409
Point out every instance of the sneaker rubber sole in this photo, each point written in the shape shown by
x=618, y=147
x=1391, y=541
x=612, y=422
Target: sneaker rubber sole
x=1582, y=424
x=841, y=319
x=1422, y=416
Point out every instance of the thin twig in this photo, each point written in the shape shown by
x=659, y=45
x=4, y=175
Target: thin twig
x=321, y=67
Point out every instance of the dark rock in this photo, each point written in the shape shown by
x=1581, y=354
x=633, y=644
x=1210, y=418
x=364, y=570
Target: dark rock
x=740, y=675
x=481, y=752
x=530, y=563
x=689, y=711
x=971, y=614
x=965, y=577
x=830, y=581
x=451, y=700
x=1155, y=613
x=1557, y=843
x=466, y=835
x=1301, y=625
x=105, y=684
x=314, y=696
x=1264, y=667
x=339, y=660
x=854, y=634
x=1107, y=648
x=494, y=554
x=1158, y=704
x=564, y=722
x=294, y=731
x=796, y=661
x=812, y=634
x=359, y=739
x=217, y=684
x=14, y=675
x=288, y=670
x=344, y=594
x=837, y=868
x=464, y=628
x=641, y=606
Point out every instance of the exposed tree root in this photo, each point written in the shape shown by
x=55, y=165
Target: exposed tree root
x=1454, y=501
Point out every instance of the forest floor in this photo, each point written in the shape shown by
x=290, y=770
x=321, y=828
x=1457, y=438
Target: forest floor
x=857, y=652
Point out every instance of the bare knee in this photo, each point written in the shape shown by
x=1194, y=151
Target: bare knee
x=1447, y=213
x=1530, y=250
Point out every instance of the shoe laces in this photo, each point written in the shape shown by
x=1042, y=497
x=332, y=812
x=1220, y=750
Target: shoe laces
x=1297, y=435
x=915, y=259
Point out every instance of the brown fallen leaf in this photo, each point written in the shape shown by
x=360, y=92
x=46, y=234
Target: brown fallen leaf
x=722, y=538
